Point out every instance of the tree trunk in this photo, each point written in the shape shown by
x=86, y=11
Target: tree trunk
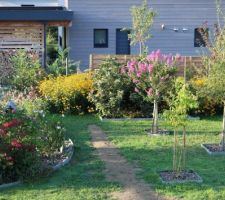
x=141, y=48
x=155, y=127
x=184, y=148
x=223, y=133
x=175, y=152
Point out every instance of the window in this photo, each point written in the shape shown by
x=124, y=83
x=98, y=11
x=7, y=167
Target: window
x=60, y=41
x=100, y=38
x=201, y=37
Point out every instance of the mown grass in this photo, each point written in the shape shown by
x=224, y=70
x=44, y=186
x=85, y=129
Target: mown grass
x=82, y=179
x=153, y=154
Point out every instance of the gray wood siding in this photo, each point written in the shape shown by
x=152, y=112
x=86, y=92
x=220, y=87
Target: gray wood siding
x=91, y=14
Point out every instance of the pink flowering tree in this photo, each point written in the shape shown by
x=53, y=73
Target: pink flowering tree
x=152, y=76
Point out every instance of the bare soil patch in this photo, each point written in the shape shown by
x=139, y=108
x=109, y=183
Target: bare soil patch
x=117, y=169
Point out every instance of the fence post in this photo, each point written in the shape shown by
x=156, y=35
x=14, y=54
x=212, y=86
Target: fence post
x=91, y=62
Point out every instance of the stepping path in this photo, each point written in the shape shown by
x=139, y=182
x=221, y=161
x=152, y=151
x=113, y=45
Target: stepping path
x=119, y=170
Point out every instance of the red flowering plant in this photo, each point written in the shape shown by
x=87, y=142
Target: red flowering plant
x=18, y=152
x=152, y=76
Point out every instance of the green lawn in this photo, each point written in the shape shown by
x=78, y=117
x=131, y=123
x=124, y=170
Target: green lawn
x=153, y=154
x=82, y=179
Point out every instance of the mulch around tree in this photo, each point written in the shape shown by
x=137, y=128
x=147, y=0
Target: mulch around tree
x=214, y=149
x=182, y=177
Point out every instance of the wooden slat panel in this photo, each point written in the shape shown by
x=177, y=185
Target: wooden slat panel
x=22, y=35
x=96, y=60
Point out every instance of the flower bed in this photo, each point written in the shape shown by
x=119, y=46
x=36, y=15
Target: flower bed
x=24, y=141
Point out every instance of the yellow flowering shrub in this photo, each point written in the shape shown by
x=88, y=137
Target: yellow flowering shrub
x=207, y=105
x=68, y=93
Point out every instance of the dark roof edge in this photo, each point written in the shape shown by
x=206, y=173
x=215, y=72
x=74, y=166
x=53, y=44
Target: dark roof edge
x=33, y=8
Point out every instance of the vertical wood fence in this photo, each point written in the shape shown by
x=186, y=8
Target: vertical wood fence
x=96, y=59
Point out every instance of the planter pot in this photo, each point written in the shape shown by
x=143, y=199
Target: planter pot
x=213, y=149
x=189, y=176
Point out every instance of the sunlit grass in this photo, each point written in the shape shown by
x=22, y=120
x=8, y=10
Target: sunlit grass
x=153, y=154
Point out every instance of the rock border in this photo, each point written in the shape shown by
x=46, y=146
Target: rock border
x=181, y=181
x=138, y=119
x=9, y=185
x=211, y=153
x=68, y=159
x=123, y=119
x=54, y=168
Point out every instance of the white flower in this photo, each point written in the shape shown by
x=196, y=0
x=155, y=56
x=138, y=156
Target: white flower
x=58, y=127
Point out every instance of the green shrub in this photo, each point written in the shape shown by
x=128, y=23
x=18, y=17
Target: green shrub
x=207, y=104
x=58, y=67
x=113, y=92
x=27, y=71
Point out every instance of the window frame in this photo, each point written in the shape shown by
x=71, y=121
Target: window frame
x=197, y=33
x=105, y=45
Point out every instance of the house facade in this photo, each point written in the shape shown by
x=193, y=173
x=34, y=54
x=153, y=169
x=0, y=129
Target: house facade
x=174, y=29
x=23, y=24
x=96, y=25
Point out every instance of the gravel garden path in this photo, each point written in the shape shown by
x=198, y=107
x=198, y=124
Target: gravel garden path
x=118, y=169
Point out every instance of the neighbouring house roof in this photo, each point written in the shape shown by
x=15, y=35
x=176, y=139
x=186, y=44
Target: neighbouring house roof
x=33, y=13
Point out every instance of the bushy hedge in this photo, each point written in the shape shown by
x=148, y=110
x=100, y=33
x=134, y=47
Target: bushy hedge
x=207, y=104
x=67, y=94
x=114, y=93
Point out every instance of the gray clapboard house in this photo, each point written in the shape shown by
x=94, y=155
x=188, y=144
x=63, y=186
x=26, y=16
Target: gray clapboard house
x=94, y=27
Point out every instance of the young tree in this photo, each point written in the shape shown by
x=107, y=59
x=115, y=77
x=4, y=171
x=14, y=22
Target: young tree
x=215, y=76
x=180, y=103
x=152, y=76
x=142, y=20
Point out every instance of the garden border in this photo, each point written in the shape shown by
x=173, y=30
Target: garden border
x=200, y=180
x=137, y=119
x=67, y=160
x=212, y=153
x=9, y=185
x=54, y=168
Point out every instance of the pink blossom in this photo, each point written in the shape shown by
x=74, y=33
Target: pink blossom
x=155, y=56
x=131, y=66
x=136, y=81
x=162, y=78
x=142, y=67
x=150, y=68
x=169, y=59
x=179, y=58
x=123, y=70
x=136, y=90
x=149, y=92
